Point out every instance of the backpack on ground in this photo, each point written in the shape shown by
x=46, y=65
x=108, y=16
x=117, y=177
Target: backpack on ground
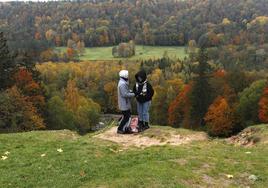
x=131, y=126
x=134, y=124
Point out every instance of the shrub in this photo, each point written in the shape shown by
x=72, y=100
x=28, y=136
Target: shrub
x=124, y=50
x=17, y=113
x=85, y=109
x=248, y=103
x=220, y=119
x=178, y=111
x=87, y=115
x=59, y=117
x=263, y=107
x=82, y=118
x=30, y=88
x=158, y=111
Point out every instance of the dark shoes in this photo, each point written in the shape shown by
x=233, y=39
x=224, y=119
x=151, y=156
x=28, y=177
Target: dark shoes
x=127, y=131
x=146, y=126
x=120, y=131
x=143, y=126
x=140, y=126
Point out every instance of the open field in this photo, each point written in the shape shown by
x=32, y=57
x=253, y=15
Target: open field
x=142, y=52
x=90, y=161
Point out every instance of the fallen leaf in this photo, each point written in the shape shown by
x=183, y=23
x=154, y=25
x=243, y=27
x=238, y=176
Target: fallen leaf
x=113, y=150
x=7, y=153
x=229, y=176
x=43, y=155
x=82, y=173
x=248, y=152
x=4, y=158
x=59, y=150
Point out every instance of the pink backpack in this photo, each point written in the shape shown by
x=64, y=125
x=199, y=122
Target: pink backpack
x=131, y=126
x=134, y=124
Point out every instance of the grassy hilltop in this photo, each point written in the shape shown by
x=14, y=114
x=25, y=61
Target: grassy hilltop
x=90, y=161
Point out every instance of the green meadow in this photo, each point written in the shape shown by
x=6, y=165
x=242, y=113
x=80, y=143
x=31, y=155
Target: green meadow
x=142, y=53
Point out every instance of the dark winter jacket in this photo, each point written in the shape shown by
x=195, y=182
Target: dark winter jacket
x=143, y=88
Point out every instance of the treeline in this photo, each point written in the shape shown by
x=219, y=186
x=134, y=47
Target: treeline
x=196, y=94
x=26, y=103
x=38, y=26
x=193, y=93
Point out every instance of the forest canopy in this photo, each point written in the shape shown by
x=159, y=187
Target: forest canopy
x=148, y=22
x=223, y=78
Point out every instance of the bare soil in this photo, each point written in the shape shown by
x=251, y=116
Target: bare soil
x=151, y=137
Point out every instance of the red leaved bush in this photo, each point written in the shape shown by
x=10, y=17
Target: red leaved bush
x=70, y=53
x=221, y=73
x=29, y=88
x=178, y=111
x=23, y=113
x=263, y=106
x=220, y=118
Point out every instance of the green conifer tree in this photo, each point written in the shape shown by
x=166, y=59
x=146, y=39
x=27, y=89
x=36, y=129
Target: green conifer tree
x=201, y=91
x=7, y=65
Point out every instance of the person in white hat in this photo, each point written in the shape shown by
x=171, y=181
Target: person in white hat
x=124, y=103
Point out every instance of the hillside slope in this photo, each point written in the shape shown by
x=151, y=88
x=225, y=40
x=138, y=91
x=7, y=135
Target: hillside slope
x=65, y=159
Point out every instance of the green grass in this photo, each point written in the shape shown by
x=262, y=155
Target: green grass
x=91, y=162
x=142, y=53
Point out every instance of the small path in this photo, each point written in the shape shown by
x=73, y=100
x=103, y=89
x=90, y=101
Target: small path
x=154, y=136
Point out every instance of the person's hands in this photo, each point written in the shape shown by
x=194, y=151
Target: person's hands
x=136, y=93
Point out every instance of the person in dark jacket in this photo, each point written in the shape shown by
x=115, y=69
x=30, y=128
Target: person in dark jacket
x=144, y=93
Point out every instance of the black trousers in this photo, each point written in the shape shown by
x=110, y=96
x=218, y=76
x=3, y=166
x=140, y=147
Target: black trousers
x=126, y=116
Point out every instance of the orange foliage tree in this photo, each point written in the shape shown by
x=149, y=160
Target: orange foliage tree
x=220, y=118
x=72, y=96
x=178, y=111
x=70, y=53
x=85, y=110
x=47, y=55
x=110, y=89
x=30, y=88
x=263, y=106
x=24, y=114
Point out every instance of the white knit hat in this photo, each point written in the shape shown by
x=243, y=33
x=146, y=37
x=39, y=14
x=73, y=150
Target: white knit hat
x=123, y=74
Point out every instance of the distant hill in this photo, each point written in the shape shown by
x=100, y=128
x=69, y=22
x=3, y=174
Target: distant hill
x=148, y=22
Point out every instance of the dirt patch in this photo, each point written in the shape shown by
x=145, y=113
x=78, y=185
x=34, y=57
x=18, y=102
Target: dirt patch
x=216, y=182
x=148, y=138
x=247, y=137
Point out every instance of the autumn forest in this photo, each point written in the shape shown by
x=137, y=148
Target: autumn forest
x=220, y=86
